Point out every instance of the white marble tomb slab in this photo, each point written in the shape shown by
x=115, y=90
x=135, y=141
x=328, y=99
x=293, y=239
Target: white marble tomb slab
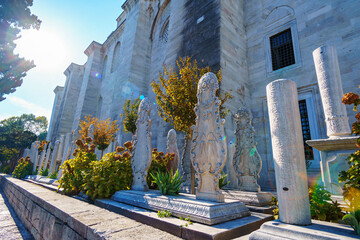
x=183, y=205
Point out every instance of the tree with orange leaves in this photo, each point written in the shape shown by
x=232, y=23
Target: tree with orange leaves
x=104, y=132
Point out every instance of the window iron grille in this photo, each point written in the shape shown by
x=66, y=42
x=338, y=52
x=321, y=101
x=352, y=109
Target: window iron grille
x=282, y=50
x=309, y=153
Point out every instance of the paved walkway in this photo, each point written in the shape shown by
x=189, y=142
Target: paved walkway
x=10, y=226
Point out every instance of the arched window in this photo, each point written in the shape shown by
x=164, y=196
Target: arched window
x=164, y=32
x=116, y=55
x=281, y=41
x=104, y=67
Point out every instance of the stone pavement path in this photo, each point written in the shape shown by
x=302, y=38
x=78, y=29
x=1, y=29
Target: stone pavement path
x=10, y=226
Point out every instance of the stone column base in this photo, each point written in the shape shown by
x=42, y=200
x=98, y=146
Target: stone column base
x=275, y=230
x=249, y=198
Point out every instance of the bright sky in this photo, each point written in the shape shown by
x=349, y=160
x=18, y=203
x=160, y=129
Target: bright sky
x=67, y=29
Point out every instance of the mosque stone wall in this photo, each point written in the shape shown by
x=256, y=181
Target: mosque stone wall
x=229, y=35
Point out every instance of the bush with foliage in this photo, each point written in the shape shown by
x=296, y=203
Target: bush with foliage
x=351, y=177
x=353, y=219
x=44, y=172
x=5, y=168
x=176, y=96
x=112, y=173
x=42, y=145
x=275, y=205
x=130, y=115
x=164, y=214
x=104, y=132
x=159, y=163
x=75, y=170
x=53, y=175
x=168, y=183
x=23, y=168
x=322, y=207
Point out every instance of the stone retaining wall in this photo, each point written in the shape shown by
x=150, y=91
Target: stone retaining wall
x=49, y=215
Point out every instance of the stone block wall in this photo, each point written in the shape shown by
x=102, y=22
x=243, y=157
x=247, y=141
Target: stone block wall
x=50, y=215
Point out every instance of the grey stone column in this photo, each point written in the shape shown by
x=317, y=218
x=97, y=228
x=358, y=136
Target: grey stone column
x=329, y=80
x=288, y=152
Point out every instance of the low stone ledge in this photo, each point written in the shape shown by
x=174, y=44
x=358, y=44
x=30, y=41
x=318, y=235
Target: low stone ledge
x=227, y=230
x=49, y=215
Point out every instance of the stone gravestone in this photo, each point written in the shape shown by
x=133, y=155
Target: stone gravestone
x=35, y=155
x=208, y=156
x=26, y=152
x=91, y=131
x=54, y=157
x=247, y=161
x=48, y=152
x=42, y=158
x=288, y=152
x=173, y=148
x=208, y=152
x=142, y=153
x=32, y=151
x=69, y=149
x=61, y=148
x=247, y=164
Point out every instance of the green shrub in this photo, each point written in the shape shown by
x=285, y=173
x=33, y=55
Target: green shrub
x=168, y=183
x=75, y=170
x=160, y=162
x=112, y=173
x=351, y=180
x=23, y=168
x=322, y=207
x=164, y=214
x=53, y=175
x=351, y=177
x=5, y=169
x=44, y=172
x=222, y=180
x=274, y=203
x=353, y=219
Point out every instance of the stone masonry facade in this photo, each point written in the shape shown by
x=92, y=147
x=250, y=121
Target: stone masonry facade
x=232, y=35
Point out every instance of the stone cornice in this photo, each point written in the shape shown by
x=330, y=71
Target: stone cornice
x=128, y=4
x=332, y=144
x=114, y=35
x=92, y=47
x=71, y=68
x=58, y=89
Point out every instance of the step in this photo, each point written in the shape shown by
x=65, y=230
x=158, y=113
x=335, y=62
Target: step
x=227, y=230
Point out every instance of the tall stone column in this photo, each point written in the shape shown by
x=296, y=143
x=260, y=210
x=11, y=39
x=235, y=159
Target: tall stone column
x=288, y=152
x=142, y=150
x=329, y=80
